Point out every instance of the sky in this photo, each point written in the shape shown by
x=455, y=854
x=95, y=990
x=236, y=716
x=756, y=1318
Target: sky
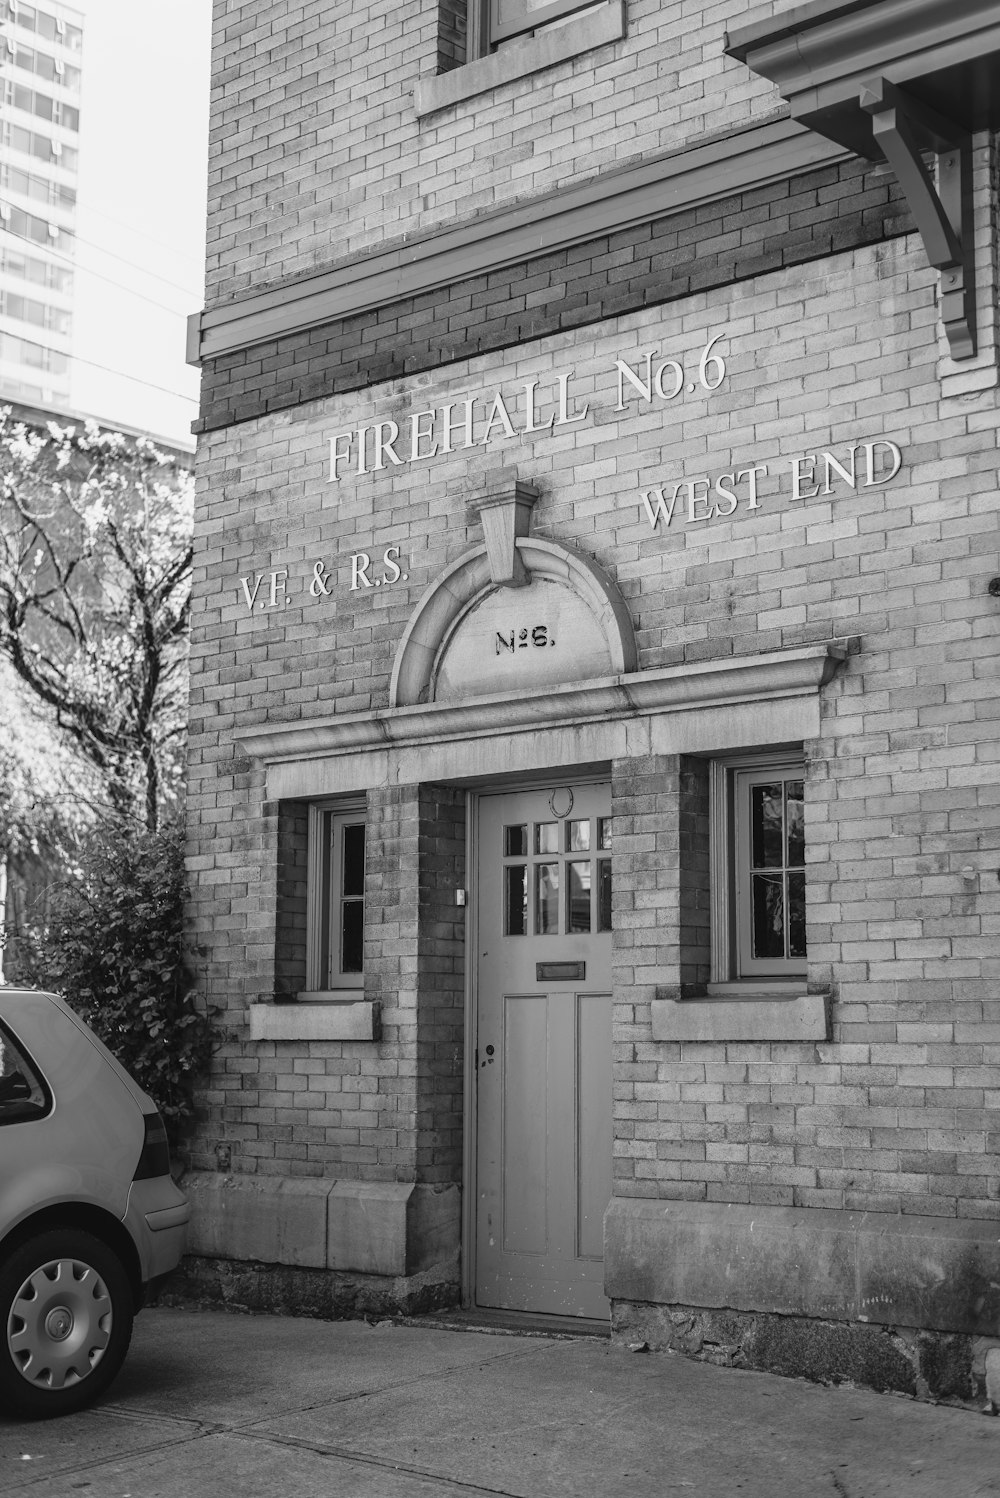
x=141, y=211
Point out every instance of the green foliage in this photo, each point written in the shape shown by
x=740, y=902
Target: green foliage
x=114, y=949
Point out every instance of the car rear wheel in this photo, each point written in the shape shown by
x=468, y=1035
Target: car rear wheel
x=66, y=1313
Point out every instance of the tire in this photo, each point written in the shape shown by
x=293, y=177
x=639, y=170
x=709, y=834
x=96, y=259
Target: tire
x=66, y=1313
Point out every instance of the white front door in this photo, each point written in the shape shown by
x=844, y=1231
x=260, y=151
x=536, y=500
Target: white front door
x=543, y=1063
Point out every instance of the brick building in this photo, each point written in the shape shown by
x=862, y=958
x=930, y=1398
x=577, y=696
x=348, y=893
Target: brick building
x=593, y=801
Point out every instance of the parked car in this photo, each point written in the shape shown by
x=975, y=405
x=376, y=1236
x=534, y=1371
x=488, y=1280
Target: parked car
x=89, y=1213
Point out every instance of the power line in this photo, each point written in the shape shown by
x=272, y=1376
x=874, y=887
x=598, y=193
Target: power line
x=88, y=208
x=185, y=291
x=85, y=270
x=79, y=359
x=134, y=379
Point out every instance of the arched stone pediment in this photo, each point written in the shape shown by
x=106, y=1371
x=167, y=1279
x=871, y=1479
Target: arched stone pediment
x=563, y=620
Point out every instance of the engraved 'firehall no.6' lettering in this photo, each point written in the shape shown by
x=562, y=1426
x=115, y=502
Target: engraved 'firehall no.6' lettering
x=479, y=420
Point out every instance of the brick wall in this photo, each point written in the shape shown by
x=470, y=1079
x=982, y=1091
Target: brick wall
x=785, y=224
x=898, y=1113
x=316, y=152
x=441, y=981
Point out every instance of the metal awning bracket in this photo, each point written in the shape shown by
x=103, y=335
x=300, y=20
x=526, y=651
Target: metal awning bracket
x=940, y=200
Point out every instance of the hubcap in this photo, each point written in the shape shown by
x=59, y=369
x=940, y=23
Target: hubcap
x=60, y=1323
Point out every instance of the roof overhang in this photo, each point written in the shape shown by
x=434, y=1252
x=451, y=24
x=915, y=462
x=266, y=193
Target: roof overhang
x=944, y=53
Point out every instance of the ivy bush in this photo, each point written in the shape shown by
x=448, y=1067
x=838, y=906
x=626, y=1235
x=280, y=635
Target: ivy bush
x=113, y=947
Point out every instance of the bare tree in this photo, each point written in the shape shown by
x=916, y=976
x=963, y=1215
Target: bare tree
x=95, y=574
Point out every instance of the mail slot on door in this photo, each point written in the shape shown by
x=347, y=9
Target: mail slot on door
x=560, y=972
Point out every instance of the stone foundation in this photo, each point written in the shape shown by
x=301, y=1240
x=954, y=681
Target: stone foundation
x=943, y=1367
x=329, y=1295
x=319, y=1247
x=908, y=1305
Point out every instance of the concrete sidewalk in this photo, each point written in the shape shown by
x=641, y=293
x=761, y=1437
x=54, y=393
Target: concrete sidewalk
x=212, y=1405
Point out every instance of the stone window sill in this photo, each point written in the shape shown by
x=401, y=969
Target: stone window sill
x=521, y=58
x=331, y=1016
x=761, y=1012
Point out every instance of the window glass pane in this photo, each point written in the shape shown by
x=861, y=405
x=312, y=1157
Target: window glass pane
x=515, y=913
x=578, y=836
x=604, y=894
x=352, y=936
x=515, y=842
x=546, y=837
x=546, y=899
x=766, y=840
x=767, y=916
x=354, y=859
x=794, y=812
x=578, y=896
x=604, y=832
x=796, y=915
x=22, y=1095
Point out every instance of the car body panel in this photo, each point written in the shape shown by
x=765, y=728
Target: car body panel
x=157, y=1217
x=85, y=1150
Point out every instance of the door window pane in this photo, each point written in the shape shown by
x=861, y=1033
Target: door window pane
x=578, y=836
x=515, y=917
x=604, y=894
x=515, y=841
x=546, y=837
x=604, y=833
x=578, y=896
x=546, y=899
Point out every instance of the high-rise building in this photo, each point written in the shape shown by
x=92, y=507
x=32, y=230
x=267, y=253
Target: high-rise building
x=39, y=161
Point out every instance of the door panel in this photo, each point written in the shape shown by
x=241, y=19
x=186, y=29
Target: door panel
x=544, y=1049
x=593, y=1124
x=523, y=1064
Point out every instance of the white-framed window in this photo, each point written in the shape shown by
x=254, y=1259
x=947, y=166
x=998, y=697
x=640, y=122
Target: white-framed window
x=335, y=913
x=758, y=870
x=509, y=18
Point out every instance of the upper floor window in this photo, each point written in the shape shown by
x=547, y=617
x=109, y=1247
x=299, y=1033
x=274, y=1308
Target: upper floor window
x=31, y=143
x=40, y=272
x=52, y=28
x=482, y=44
x=33, y=102
x=509, y=18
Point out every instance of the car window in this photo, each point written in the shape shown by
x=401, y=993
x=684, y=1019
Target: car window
x=23, y=1094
